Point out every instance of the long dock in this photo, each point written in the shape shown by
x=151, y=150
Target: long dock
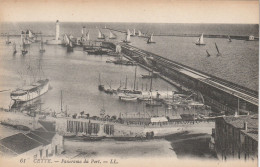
x=222, y=95
x=237, y=37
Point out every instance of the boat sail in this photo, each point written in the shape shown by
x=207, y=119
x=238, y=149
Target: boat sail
x=112, y=35
x=66, y=40
x=100, y=35
x=33, y=89
x=229, y=39
x=70, y=47
x=14, y=48
x=127, y=40
x=42, y=46
x=150, y=40
x=200, y=41
x=133, y=34
x=218, y=54
x=87, y=36
x=139, y=33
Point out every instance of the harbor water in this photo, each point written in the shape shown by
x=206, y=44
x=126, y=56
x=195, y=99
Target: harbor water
x=76, y=74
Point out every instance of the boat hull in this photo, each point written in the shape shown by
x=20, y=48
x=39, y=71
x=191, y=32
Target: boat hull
x=31, y=94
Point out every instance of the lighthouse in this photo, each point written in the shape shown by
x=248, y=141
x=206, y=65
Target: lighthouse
x=57, y=35
x=57, y=40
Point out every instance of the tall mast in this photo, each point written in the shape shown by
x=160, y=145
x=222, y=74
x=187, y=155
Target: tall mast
x=135, y=77
x=151, y=84
x=126, y=82
x=61, y=101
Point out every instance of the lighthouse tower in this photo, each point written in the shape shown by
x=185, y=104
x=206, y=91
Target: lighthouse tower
x=57, y=40
x=57, y=30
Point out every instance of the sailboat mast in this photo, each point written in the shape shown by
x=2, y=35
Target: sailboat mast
x=151, y=84
x=61, y=101
x=125, y=82
x=135, y=77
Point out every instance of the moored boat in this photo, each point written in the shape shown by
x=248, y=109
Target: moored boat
x=30, y=92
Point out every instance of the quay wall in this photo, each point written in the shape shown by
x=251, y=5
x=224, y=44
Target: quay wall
x=112, y=129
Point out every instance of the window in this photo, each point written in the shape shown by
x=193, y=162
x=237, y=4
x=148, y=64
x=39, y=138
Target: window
x=56, y=149
x=35, y=156
x=40, y=153
x=47, y=153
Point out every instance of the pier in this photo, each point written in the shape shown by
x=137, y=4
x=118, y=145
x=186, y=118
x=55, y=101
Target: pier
x=222, y=95
x=237, y=37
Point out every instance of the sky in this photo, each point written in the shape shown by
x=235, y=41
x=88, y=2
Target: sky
x=153, y=11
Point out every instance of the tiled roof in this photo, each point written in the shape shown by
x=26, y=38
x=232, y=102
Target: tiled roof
x=238, y=122
x=44, y=135
x=19, y=143
x=37, y=138
x=49, y=126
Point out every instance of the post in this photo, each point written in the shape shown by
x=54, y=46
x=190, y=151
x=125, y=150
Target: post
x=57, y=30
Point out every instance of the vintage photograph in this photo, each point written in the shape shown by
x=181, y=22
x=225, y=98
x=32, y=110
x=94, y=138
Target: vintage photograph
x=117, y=83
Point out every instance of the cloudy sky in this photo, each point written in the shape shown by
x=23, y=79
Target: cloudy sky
x=166, y=11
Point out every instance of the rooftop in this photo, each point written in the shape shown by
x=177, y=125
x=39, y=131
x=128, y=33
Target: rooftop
x=19, y=143
x=238, y=122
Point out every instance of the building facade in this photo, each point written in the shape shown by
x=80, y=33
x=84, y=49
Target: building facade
x=236, y=137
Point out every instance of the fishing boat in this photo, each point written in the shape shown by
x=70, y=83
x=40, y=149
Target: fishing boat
x=127, y=39
x=128, y=98
x=150, y=40
x=229, y=39
x=200, y=41
x=42, y=50
x=208, y=55
x=112, y=35
x=14, y=49
x=92, y=137
x=218, y=54
x=24, y=49
x=100, y=35
x=33, y=89
x=7, y=42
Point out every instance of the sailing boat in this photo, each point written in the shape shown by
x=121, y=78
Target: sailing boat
x=218, y=54
x=100, y=86
x=14, y=48
x=139, y=33
x=208, y=53
x=23, y=49
x=200, y=41
x=127, y=40
x=87, y=36
x=151, y=102
x=70, y=47
x=229, y=39
x=32, y=90
x=100, y=35
x=112, y=35
x=41, y=46
x=150, y=40
x=133, y=34
x=130, y=95
x=7, y=40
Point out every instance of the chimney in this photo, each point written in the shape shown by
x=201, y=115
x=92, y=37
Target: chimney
x=245, y=126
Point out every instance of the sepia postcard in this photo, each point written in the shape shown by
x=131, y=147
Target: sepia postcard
x=129, y=83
